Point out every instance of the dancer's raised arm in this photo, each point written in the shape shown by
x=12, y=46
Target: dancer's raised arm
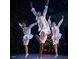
x=46, y=8
x=49, y=21
x=33, y=9
x=32, y=25
x=60, y=22
x=20, y=25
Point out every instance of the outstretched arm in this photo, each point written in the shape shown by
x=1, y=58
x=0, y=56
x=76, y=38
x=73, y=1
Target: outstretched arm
x=33, y=9
x=20, y=25
x=61, y=21
x=46, y=8
x=49, y=21
x=32, y=25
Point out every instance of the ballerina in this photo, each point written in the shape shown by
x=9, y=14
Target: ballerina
x=27, y=35
x=43, y=25
x=56, y=35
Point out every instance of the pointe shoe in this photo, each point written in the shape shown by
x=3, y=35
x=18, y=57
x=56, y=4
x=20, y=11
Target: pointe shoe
x=39, y=57
x=56, y=55
x=26, y=55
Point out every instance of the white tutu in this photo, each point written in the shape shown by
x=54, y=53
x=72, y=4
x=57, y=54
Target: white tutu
x=46, y=31
x=27, y=36
x=56, y=38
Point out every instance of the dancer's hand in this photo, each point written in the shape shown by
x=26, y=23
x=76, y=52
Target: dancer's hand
x=36, y=23
x=49, y=17
x=31, y=4
x=60, y=22
x=47, y=1
x=20, y=24
x=62, y=17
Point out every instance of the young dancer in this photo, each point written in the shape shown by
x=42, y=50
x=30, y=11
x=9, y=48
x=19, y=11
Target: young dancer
x=27, y=35
x=56, y=35
x=43, y=25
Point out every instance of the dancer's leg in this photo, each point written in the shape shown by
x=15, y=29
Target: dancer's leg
x=38, y=39
x=55, y=44
x=41, y=39
x=26, y=47
x=41, y=49
x=56, y=48
x=41, y=46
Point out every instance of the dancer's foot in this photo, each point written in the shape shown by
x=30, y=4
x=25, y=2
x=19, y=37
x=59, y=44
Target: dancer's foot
x=56, y=55
x=40, y=57
x=26, y=55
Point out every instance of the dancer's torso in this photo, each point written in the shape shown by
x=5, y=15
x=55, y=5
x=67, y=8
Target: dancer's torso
x=42, y=22
x=26, y=30
x=55, y=30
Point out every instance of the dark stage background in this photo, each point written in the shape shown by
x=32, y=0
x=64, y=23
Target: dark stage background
x=20, y=10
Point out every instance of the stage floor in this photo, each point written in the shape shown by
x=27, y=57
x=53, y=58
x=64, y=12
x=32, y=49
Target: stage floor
x=35, y=56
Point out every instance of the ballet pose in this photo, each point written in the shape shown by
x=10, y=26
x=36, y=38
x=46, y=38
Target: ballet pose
x=27, y=35
x=56, y=35
x=43, y=25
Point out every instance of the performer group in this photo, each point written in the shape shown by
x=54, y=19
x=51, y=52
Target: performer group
x=45, y=28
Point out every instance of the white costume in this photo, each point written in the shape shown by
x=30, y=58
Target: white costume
x=27, y=33
x=56, y=35
x=42, y=22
